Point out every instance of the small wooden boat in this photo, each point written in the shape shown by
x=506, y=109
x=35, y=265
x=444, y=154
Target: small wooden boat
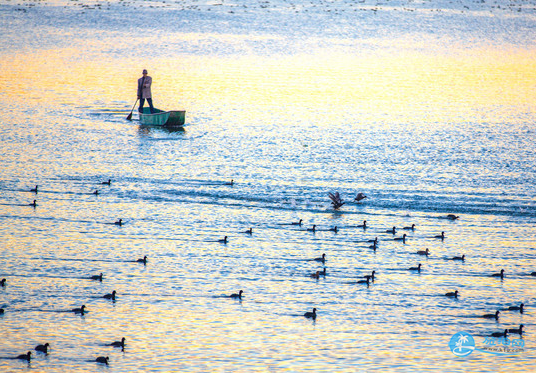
x=173, y=118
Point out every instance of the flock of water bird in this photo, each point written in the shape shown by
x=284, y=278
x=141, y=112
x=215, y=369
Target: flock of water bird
x=320, y=6
x=44, y=348
x=367, y=280
x=337, y=203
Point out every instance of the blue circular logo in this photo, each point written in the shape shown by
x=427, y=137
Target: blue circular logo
x=462, y=344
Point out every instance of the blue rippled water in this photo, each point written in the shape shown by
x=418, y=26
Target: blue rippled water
x=425, y=107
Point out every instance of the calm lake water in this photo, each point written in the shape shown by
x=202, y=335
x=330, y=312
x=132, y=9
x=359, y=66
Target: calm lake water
x=428, y=108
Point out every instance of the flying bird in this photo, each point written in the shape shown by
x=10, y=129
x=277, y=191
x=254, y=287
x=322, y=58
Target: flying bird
x=336, y=200
x=359, y=197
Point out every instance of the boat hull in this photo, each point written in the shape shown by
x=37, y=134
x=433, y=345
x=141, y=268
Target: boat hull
x=173, y=118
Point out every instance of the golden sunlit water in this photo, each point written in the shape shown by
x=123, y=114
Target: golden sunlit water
x=428, y=108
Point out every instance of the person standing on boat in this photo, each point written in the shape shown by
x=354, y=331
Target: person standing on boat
x=144, y=91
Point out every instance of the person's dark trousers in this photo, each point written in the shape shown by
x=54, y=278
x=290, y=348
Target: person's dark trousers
x=149, y=101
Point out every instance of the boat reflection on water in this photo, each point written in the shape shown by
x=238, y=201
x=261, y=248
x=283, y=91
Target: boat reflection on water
x=145, y=130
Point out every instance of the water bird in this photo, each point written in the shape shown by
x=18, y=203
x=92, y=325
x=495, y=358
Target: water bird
x=403, y=238
x=230, y=182
x=452, y=217
x=374, y=241
x=336, y=200
x=372, y=276
x=1, y=311
x=517, y=331
x=453, y=294
x=412, y=228
x=102, y=360
x=374, y=246
x=423, y=252
x=393, y=231
x=492, y=315
x=119, y=222
x=364, y=225
x=27, y=356
x=310, y=315
x=359, y=197
x=80, y=310
x=118, y=343
x=42, y=348
x=237, y=296
x=321, y=259
x=3, y=282
x=109, y=182
x=249, y=231
x=500, y=274
x=223, y=240
x=96, y=277
x=96, y=192
x=313, y=229
x=440, y=236
x=500, y=334
x=298, y=223
x=144, y=260
x=334, y=229
x=418, y=268
x=110, y=296
x=533, y=274
x=34, y=190
x=462, y=258
x=33, y=204
x=519, y=308
x=317, y=274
